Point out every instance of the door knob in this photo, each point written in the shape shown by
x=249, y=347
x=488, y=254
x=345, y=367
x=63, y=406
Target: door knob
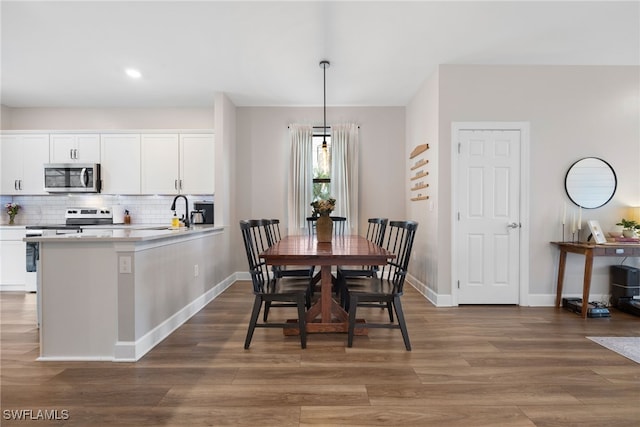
x=513, y=225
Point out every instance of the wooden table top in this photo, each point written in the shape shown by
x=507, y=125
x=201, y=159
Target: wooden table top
x=343, y=250
x=594, y=245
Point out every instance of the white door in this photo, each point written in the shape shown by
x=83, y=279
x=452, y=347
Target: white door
x=488, y=218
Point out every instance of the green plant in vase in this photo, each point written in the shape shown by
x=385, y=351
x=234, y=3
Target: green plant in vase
x=324, y=225
x=629, y=227
x=12, y=210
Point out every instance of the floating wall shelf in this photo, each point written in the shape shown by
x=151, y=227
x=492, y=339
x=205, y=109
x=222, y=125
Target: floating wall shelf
x=418, y=166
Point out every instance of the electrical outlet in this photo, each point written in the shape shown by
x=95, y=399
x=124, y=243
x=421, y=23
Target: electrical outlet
x=196, y=270
x=125, y=264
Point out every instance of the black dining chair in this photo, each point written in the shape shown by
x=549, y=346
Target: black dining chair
x=339, y=224
x=267, y=289
x=280, y=271
x=339, y=227
x=375, y=234
x=386, y=289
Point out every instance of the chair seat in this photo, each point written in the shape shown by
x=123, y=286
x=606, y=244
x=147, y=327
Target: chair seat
x=383, y=291
x=270, y=291
x=286, y=286
x=356, y=272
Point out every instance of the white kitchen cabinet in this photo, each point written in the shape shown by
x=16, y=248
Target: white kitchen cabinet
x=159, y=165
x=22, y=158
x=197, y=160
x=173, y=163
x=12, y=258
x=120, y=163
x=75, y=148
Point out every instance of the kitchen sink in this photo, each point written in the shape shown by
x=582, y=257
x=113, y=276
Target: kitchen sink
x=164, y=227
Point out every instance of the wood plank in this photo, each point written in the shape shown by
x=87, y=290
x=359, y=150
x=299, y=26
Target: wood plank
x=419, y=175
x=419, y=149
x=419, y=163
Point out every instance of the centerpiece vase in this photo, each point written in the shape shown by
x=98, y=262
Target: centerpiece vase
x=324, y=228
x=12, y=219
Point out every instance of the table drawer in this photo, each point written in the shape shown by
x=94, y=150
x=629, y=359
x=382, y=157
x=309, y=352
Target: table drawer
x=621, y=252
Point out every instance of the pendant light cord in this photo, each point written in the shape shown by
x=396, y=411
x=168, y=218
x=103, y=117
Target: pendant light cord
x=324, y=64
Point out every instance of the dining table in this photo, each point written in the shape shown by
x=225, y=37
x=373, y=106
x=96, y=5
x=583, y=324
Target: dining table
x=326, y=314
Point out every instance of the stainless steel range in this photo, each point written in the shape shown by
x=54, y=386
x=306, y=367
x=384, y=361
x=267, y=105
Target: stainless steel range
x=88, y=216
x=75, y=219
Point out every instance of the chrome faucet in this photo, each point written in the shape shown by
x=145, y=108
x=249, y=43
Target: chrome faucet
x=184, y=218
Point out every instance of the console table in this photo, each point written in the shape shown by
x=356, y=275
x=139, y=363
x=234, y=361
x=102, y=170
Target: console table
x=590, y=250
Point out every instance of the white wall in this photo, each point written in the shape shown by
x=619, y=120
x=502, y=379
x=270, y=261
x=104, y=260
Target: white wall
x=574, y=112
x=263, y=158
x=106, y=118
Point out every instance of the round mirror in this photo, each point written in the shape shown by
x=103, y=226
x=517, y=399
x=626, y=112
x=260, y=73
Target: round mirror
x=590, y=182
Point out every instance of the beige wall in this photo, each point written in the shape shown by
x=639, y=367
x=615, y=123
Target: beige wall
x=422, y=127
x=573, y=112
x=263, y=158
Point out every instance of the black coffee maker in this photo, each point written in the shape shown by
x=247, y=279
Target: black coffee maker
x=207, y=209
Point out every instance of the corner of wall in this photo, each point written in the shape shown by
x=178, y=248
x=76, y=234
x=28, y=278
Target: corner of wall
x=5, y=117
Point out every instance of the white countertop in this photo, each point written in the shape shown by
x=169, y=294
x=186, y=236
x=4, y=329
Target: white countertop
x=132, y=233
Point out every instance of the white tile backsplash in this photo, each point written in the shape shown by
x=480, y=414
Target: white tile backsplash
x=50, y=209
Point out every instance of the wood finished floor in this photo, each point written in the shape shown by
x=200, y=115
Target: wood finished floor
x=470, y=366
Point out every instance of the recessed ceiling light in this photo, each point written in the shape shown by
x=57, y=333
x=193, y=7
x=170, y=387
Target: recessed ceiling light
x=134, y=74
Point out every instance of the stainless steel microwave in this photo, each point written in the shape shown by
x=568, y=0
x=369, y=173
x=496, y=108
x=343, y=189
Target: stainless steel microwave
x=72, y=177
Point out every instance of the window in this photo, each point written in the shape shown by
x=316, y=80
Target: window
x=321, y=167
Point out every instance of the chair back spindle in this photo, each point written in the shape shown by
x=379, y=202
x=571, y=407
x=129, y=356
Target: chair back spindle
x=401, y=235
x=255, y=235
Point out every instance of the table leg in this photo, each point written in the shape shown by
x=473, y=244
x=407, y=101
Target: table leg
x=586, y=285
x=333, y=318
x=325, y=293
x=561, y=266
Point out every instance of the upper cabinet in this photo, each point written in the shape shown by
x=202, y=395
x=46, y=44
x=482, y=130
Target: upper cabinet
x=22, y=158
x=130, y=163
x=159, y=164
x=197, y=160
x=177, y=163
x=75, y=148
x=120, y=163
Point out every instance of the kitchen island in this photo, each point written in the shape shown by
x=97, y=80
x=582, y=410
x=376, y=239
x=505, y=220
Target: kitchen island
x=113, y=294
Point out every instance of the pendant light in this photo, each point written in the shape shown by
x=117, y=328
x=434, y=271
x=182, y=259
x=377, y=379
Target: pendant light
x=324, y=64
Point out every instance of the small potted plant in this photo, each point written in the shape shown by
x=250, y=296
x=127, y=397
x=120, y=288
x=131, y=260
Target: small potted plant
x=12, y=211
x=629, y=227
x=324, y=225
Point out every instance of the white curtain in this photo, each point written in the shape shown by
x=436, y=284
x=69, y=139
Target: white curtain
x=300, y=177
x=344, y=173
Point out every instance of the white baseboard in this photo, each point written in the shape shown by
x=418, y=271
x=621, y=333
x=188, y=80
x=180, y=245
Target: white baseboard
x=429, y=294
x=131, y=351
x=243, y=275
x=74, y=359
x=535, y=300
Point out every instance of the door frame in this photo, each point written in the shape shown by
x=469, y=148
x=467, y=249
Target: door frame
x=523, y=127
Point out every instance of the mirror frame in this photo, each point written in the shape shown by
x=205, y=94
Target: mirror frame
x=572, y=194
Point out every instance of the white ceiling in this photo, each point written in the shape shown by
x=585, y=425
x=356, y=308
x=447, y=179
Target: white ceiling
x=265, y=53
